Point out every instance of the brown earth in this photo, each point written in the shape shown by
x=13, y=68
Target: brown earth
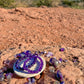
x=43, y=26
x=44, y=29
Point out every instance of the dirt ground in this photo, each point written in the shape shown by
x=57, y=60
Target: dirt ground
x=45, y=29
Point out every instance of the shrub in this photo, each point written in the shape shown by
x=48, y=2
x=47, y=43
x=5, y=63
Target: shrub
x=6, y=3
x=44, y=2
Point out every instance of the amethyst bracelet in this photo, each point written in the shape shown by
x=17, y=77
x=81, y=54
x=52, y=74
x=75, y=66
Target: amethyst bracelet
x=27, y=57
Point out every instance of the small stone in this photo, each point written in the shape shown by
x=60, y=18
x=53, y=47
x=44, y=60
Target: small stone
x=33, y=80
x=56, y=82
x=61, y=49
x=62, y=82
x=55, y=64
x=1, y=77
x=9, y=75
x=37, y=77
x=49, y=54
x=45, y=52
x=52, y=69
x=59, y=76
x=60, y=59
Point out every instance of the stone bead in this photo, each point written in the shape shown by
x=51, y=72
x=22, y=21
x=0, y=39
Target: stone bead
x=59, y=76
x=1, y=77
x=55, y=64
x=49, y=54
x=9, y=75
x=38, y=76
x=61, y=49
x=33, y=80
x=51, y=69
x=62, y=82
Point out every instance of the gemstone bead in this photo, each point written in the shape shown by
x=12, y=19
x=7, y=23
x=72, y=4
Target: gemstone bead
x=33, y=80
x=61, y=49
x=54, y=62
x=9, y=75
x=62, y=82
x=52, y=69
x=60, y=59
x=1, y=77
x=59, y=76
x=49, y=54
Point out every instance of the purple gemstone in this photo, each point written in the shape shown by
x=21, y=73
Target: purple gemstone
x=9, y=75
x=33, y=80
x=49, y=54
x=62, y=82
x=59, y=75
x=62, y=49
x=60, y=59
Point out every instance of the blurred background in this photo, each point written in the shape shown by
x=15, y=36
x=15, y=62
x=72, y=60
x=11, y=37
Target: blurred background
x=37, y=3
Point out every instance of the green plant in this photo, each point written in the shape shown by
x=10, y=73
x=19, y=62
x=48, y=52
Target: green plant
x=44, y=2
x=6, y=3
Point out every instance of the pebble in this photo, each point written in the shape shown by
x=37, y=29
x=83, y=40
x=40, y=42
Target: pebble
x=9, y=75
x=49, y=54
x=33, y=80
x=38, y=76
x=62, y=82
x=52, y=69
x=61, y=49
x=59, y=76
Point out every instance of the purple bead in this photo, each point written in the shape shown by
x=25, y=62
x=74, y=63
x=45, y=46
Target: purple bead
x=59, y=75
x=62, y=82
x=62, y=49
x=49, y=54
x=9, y=75
x=33, y=80
x=60, y=59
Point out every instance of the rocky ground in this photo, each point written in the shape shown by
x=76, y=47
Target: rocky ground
x=45, y=29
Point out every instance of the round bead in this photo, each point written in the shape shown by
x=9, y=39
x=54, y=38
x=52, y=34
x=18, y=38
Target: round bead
x=49, y=54
x=52, y=69
x=61, y=49
x=9, y=75
x=62, y=82
x=33, y=80
x=59, y=76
